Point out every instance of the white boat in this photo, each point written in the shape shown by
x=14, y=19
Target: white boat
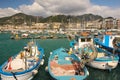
x=24, y=65
x=110, y=43
x=85, y=49
x=24, y=35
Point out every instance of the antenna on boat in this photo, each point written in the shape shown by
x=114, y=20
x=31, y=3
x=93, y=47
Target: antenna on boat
x=35, y=49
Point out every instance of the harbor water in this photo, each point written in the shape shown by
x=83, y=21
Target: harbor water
x=9, y=47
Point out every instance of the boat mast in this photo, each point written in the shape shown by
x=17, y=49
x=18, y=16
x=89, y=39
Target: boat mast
x=30, y=47
x=35, y=49
x=25, y=61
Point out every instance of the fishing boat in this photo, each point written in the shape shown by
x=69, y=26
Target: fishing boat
x=92, y=55
x=109, y=42
x=24, y=65
x=16, y=37
x=24, y=35
x=65, y=66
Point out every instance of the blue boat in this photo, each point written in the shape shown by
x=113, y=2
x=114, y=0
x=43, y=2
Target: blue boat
x=92, y=55
x=64, y=66
x=24, y=65
x=108, y=43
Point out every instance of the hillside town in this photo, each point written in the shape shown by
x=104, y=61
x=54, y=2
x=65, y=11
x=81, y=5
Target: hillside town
x=108, y=23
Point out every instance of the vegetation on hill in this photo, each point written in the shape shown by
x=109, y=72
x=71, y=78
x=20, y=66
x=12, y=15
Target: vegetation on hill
x=24, y=19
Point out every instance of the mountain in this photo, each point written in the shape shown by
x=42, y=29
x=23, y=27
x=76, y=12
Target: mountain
x=21, y=18
x=90, y=17
x=70, y=18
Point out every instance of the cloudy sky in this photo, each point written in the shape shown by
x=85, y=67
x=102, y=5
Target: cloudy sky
x=46, y=8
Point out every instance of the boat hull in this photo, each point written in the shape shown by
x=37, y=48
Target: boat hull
x=104, y=60
x=26, y=76
x=103, y=64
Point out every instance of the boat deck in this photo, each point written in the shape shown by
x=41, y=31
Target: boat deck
x=62, y=64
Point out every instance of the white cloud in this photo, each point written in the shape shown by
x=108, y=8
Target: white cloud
x=8, y=12
x=34, y=9
x=104, y=11
x=67, y=7
x=64, y=6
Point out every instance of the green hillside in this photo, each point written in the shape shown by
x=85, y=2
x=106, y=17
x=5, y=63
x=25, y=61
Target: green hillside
x=21, y=18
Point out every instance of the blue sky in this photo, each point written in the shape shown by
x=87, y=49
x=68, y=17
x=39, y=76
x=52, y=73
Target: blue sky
x=17, y=3
x=110, y=3
x=13, y=3
x=45, y=8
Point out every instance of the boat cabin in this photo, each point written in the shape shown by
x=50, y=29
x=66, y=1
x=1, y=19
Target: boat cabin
x=108, y=40
x=81, y=40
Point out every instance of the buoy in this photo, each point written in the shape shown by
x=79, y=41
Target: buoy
x=46, y=68
x=22, y=55
x=70, y=52
x=9, y=64
x=42, y=62
x=87, y=73
x=67, y=58
x=34, y=72
x=44, y=55
x=50, y=52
